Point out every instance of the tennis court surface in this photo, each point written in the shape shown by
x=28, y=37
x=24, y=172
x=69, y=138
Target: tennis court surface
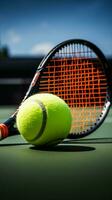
x=79, y=169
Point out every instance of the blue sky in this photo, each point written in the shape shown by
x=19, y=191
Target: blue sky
x=34, y=27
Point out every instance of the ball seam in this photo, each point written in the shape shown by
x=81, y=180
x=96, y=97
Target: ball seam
x=44, y=120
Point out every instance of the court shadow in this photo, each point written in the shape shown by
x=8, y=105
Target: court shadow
x=64, y=148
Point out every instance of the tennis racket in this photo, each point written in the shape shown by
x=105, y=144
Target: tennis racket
x=77, y=71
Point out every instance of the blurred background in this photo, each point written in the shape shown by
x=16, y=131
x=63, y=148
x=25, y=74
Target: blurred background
x=30, y=28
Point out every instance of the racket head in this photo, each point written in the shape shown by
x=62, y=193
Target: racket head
x=77, y=71
x=71, y=71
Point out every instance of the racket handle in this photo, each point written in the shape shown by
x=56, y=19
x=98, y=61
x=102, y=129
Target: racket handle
x=4, y=132
x=7, y=128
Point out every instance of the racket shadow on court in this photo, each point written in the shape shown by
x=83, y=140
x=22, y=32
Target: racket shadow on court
x=12, y=144
x=66, y=146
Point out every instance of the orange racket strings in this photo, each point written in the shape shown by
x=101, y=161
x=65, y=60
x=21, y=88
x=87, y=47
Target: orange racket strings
x=76, y=75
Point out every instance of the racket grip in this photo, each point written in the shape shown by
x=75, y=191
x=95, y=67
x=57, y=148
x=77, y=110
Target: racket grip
x=4, y=132
x=7, y=128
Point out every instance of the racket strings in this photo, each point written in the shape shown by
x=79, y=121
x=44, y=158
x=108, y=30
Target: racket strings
x=78, y=78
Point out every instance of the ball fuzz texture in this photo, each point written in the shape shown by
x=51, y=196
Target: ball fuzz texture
x=44, y=119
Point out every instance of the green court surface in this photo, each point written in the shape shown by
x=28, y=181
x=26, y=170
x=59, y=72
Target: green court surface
x=76, y=169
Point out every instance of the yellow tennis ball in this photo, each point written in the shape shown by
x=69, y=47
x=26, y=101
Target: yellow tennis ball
x=44, y=119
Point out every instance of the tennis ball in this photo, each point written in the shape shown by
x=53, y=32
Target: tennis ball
x=44, y=119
